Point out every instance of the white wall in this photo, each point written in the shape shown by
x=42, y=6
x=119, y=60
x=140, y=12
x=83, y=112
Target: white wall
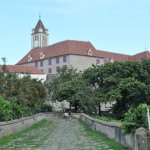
x=35, y=76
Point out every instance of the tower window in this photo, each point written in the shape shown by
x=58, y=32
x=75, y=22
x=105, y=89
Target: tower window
x=36, y=38
x=41, y=63
x=64, y=58
x=57, y=60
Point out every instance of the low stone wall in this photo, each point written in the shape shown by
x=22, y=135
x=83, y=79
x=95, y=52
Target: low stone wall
x=111, y=130
x=50, y=116
x=11, y=127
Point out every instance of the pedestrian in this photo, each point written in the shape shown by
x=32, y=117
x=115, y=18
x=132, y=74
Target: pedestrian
x=66, y=116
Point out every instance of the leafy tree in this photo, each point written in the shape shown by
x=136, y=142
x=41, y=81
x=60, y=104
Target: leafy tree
x=26, y=95
x=70, y=86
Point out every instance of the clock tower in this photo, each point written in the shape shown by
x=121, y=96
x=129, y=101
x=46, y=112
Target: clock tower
x=39, y=36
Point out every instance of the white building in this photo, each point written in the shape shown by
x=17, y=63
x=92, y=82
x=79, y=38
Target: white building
x=25, y=70
x=78, y=54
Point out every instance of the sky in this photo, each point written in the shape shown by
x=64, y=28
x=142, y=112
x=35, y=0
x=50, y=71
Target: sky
x=121, y=26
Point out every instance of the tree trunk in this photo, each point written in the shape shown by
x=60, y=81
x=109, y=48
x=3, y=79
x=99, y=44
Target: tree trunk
x=99, y=109
x=70, y=106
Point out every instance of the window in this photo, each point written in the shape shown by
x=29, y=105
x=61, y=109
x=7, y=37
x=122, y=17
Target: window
x=64, y=58
x=49, y=70
x=49, y=61
x=57, y=60
x=57, y=68
x=36, y=64
x=97, y=61
x=36, y=38
x=89, y=52
x=41, y=63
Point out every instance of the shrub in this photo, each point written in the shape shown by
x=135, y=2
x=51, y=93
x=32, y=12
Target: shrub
x=135, y=118
x=5, y=109
x=46, y=108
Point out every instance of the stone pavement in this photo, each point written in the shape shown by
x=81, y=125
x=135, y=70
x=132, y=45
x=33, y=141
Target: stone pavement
x=56, y=135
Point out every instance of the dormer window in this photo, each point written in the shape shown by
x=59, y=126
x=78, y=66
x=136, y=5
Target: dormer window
x=29, y=58
x=89, y=52
x=42, y=55
x=111, y=60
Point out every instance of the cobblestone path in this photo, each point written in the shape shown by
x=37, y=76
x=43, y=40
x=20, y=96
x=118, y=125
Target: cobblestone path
x=56, y=135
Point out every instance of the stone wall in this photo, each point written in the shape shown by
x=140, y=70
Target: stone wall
x=111, y=130
x=11, y=127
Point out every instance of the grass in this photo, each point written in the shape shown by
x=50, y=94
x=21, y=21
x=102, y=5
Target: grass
x=100, y=136
x=7, y=139
x=107, y=118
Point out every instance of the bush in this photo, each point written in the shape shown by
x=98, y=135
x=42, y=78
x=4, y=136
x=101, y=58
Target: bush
x=135, y=118
x=5, y=109
x=46, y=108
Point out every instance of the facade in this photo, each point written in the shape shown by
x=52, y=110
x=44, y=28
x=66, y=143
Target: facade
x=77, y=54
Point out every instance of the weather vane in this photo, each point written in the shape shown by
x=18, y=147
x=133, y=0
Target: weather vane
x=39, y=15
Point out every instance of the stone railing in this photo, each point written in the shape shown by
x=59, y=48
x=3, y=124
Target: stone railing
x=11, y=127
x=111, y=130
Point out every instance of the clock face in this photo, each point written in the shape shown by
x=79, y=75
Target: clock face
x=35, y=43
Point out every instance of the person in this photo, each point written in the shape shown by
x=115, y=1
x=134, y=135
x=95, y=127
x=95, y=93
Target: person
x=66, y=115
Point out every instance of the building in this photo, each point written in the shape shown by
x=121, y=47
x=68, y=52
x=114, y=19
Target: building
x=25, y=70
x=78, y=54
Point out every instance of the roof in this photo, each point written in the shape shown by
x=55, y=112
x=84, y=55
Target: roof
x=39, y=25
x=108, y=56
x=73, y=47
x=140, y=56
x=67, y=47
x=22, y=69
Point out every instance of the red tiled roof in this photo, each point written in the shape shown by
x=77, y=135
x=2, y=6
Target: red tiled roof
x=114, y=56
x=67, y=47
x=73, y=47
x=22, y=69
x=140, y=56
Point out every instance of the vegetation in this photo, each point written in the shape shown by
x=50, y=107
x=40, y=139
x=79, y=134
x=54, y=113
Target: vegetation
x=126, y=83
x=135, y=118
x=19, y=96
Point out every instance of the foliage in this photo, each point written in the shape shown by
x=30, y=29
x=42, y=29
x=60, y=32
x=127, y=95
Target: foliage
x=46, y=108
x=70, y=86
x=135, y=118
x=26, y=95
x=5, y=109
x=127, y=83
